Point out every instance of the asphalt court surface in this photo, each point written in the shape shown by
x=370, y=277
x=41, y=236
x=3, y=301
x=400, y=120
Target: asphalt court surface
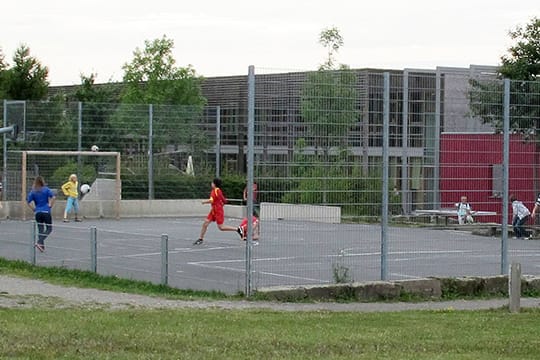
x=289, y=253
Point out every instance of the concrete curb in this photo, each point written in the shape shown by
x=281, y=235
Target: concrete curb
x=424, y=289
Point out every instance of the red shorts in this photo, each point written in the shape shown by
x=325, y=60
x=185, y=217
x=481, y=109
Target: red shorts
x=216, y=215
x=244, y=224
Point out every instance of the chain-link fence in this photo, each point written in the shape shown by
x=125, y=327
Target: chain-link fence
x=166, y=150
x=361, y=174
x=395, y=154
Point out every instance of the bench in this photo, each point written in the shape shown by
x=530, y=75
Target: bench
x=449, y=213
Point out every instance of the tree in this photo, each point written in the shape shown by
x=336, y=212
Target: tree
x=3, y=64
x=329, y=106
x=332, y=40
x=329, y=97
x=27, y=78
x=3, y=75
x=152, y=77
x=523, y=59
x=88, y=91
x=521, y=65
x=98, y=104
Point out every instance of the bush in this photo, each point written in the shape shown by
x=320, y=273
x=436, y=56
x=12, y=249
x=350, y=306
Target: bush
x=61, y=174
x=357, y=194
x=178, y=186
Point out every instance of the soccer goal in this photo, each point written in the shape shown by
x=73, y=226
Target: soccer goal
x=98, y=169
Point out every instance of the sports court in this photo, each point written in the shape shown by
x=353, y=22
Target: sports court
x=289, y=253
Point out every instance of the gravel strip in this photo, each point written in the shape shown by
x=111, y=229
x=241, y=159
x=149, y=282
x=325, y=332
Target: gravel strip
x=16, y=292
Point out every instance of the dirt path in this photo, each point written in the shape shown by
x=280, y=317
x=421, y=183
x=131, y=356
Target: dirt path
x=16, y=292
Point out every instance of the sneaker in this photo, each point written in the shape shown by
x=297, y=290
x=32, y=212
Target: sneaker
x=255, y=243
x=77, y=220
x=65, y=220
x=198, y=242
x=240, y=232
x=40, y=247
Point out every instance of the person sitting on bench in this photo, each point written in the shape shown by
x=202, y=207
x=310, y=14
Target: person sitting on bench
x=464, y=211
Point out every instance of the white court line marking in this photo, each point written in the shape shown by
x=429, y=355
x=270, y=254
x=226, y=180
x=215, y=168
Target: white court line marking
x=190, y=249
x=128, y=256
x=209, y=265
x=240, y=260
x=107, y=257
x=406, y=276
x=292, y=277
x=408, y=252
x=214, y=267
x=175, y=251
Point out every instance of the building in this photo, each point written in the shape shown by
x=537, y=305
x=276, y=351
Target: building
x=423, y=105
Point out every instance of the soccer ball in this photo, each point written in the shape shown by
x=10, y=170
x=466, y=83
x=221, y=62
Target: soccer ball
x=94, y=148
x=85, y=189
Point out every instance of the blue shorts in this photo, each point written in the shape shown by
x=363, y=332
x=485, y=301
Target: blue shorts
x=72, y=203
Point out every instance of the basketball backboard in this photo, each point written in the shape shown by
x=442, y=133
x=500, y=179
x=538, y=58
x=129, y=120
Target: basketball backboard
x=15, y=119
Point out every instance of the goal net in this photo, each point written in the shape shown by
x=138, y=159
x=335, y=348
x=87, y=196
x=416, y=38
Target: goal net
x=100, y=170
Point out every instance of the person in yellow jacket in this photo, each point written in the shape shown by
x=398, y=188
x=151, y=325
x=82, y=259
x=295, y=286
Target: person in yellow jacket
x=70, y=189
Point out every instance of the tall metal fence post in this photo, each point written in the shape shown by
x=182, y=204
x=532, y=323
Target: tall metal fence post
x=33, y=241
x=405, y=203
x=164, y=259
x=385, y=152
x=150, y=152
x=218, y=141
x=437, y=144
x=505, y=171
x=4, y=155
x=250, y=164
x=93, y=249
x=79, y=138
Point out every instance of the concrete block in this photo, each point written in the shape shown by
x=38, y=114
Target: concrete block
x=314, y=213
x=102, y=189
x=283, y=293
x=128, y=209
x=328, y=292
x=424, y=288
x=462, y=286
x=376, y=290
x=4, y=210
x=496, y=285
x=530, y=283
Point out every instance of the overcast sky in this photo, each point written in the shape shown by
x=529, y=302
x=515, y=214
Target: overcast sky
x=223, y=37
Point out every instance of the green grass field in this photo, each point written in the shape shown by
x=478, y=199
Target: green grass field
x=46, y=331
x=224, y=334
x=87, y=279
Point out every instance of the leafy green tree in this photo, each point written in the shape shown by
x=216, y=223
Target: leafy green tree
x=332, y=40
x=27, y=78
x=153, y=78
x=523, y=59
x=3, y=75
x=521, y=65
x=329, y=97
x=328, y=103
x=98, y=106
x=88, y=91
x=54, y=127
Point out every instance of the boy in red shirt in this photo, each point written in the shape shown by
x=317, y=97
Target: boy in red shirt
x=217, y=200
